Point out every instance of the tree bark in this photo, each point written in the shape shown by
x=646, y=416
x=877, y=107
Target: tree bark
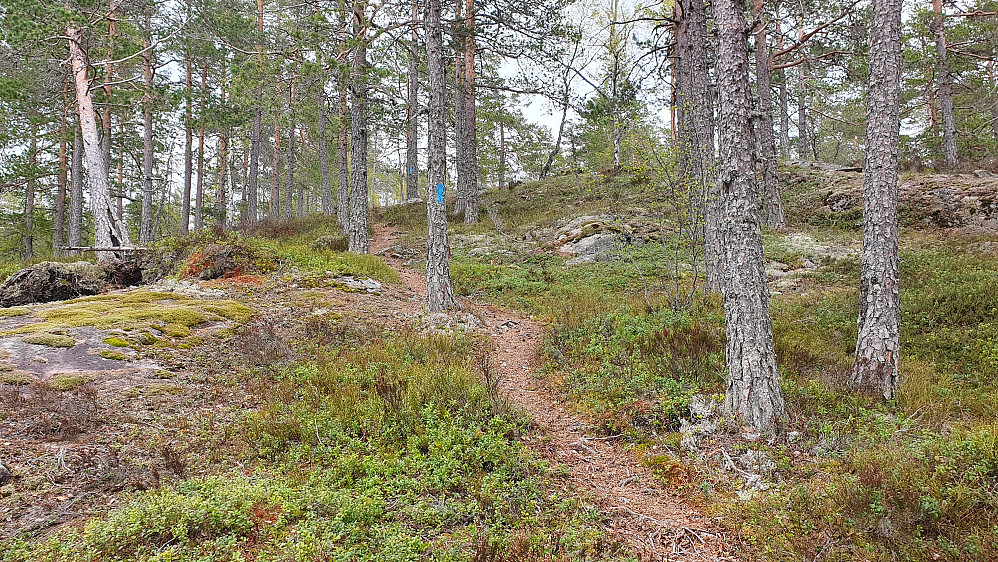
x=253, y=177
x=439, y=291
x=275, y=178
x=185, y=202
x=108, y=78
x=75, y=236
x=878, y=342
x=802, y=149
x=460, y=115
x=326, y=181
x=29, y=194
x=784, y=101
x=59, y=220
x=108, y=230
x=290, y=165
x=359, y=237
x=695, y=136
x=301, y=208
x=502, y=154
x=145, y=227
x=471, y=117
x=945, y=86
x=343, y=157
x=773, y=209
x=753, y=389
x=223, y=175
x=412, y=114
x=199, y=195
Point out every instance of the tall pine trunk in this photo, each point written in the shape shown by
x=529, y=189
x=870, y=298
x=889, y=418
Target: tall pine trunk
x=439, y=291
x=470, y=118
x=223, y=175
x=75, y=235
x=773, y=209
x=112, y=32
x=412, y=114
x=145, y=227
x=59, y=220
x=289, y=184
x=878, y=342
x=185, y=202
x=945, y=86
x=29, y=193
x=199, y=195
x=343, y=157
x=359, y=238
x=753, y=389
x=460, y=115
x=109, y=232
x=301, y=209
x=253, y=175
x=801, y=102
x=326, y=181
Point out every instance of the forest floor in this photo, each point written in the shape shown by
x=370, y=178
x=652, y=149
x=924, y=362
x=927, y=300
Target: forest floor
x=655, y=521
x=290, y=414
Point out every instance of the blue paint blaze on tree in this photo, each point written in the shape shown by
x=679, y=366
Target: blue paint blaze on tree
x=440, y=193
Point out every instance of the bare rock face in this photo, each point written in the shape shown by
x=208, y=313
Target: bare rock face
x=52, y=281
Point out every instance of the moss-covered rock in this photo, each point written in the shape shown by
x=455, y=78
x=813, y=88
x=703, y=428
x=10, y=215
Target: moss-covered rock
x=16, y=378
x=49, y=339
x=114, y=354
x=68, y=381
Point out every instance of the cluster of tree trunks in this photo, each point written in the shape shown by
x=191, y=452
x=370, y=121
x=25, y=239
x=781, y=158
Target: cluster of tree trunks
x=732, y=206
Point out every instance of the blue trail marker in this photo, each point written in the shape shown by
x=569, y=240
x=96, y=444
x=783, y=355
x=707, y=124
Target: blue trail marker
x=440, y=193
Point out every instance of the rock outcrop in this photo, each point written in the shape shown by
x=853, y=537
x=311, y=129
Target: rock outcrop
x=53, y=281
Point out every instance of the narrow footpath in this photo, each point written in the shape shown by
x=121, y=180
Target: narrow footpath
x=658, y=525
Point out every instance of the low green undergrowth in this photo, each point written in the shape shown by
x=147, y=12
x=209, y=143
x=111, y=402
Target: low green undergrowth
x=393, y=450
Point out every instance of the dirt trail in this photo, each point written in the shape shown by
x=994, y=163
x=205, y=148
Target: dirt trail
x=658, y=525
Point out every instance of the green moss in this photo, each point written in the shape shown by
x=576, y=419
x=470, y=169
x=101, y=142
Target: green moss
x=117, y=342
x=177, y=330
x=16, y=378
x=136, y=310
x=115, y=355
x=49, y=339
x=154, y=389
x=14, y=311
x=6, y=367
x=68, y=381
